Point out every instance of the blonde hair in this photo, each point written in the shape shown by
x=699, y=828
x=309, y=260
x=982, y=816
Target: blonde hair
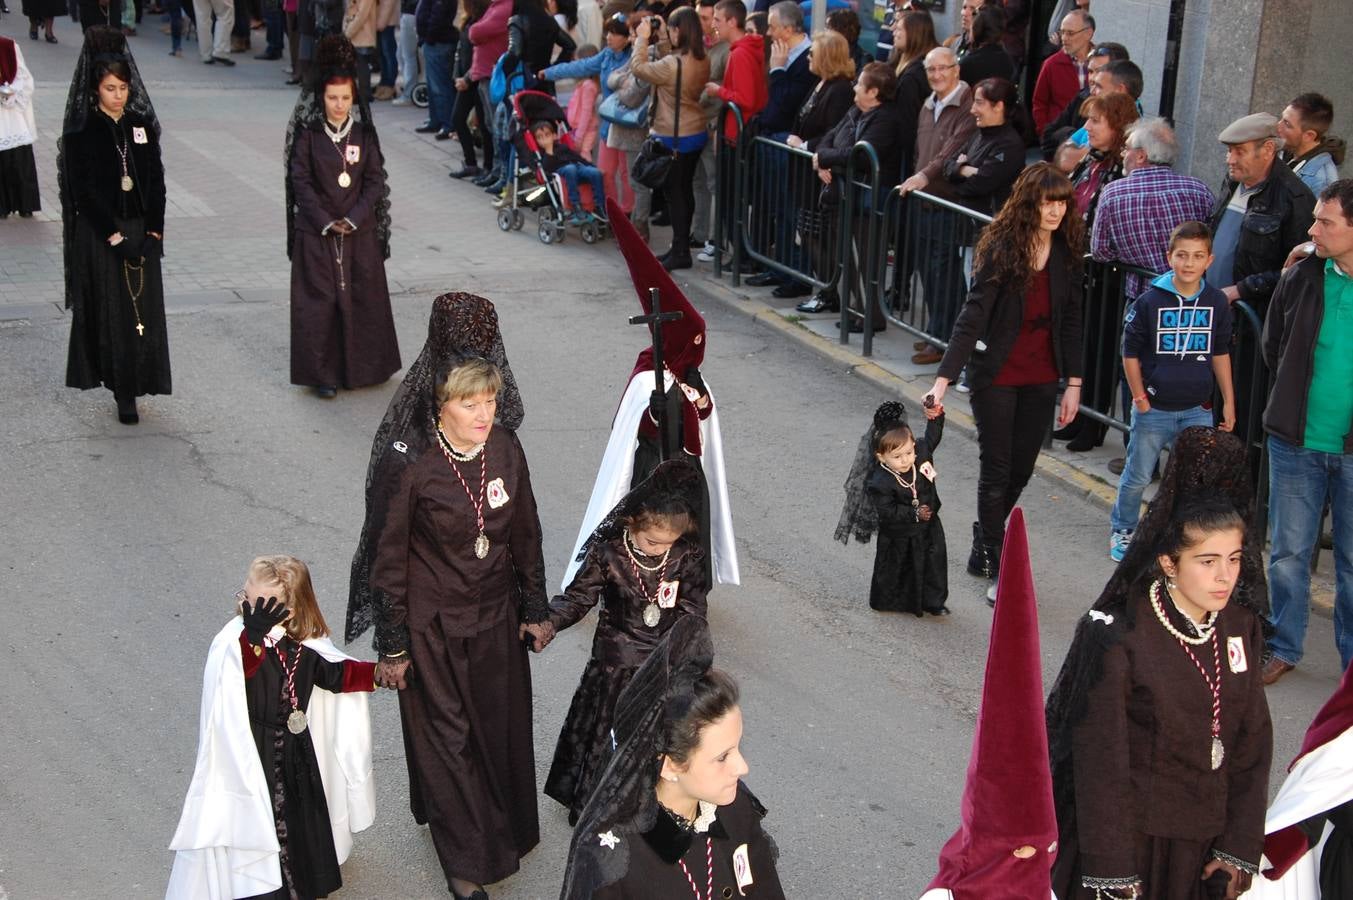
x=472, y=378
x=831, y=56
x=299, y=594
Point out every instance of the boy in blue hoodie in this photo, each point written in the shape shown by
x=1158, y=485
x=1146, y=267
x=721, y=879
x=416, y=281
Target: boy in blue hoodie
x=1176, y=351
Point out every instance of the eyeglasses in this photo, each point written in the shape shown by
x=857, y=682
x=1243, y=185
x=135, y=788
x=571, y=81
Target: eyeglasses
x=941, y=68
x=241, y=596
x=1064, y=33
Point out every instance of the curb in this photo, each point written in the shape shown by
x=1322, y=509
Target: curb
x=1076, y=482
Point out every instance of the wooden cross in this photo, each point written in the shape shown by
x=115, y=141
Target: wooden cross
x=655, y=319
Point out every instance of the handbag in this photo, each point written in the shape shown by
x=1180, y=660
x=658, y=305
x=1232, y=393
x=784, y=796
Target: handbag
x=654, y=160
x=617, y=113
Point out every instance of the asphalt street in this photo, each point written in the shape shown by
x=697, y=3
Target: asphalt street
x=122, y=546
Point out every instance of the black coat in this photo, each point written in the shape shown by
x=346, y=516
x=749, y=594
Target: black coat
x=655, y=857
x=998, y=154
x=992, y=315
x=990, y=61
x=532, y=35
x=878, y=127
x=787, y=89
x=826, y=105
x=95, y=170
x=1290, y=331
x=1275, y=221
x=1065, y=125
x=912, y=89
x=435, y=21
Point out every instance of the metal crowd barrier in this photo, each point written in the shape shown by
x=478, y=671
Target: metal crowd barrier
x=924, y=261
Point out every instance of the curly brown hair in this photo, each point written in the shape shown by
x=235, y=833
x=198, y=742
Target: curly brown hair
x=1005, y=250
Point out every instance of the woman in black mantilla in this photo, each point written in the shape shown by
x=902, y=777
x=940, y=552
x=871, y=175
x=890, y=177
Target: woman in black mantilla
x=112, y=210
x=670, y=816
x=1158, y=727
x=338, y=233
x=457, y=582
x=645, y=567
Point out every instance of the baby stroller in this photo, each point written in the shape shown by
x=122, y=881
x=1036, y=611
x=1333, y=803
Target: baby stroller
x=544, y=192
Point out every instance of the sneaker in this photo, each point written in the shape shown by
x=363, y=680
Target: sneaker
x=1118, y=545
x=577, y=217
x=706, y=255
x=962, y=387
x=991, y=595
x=400, y=101
x=502, y=200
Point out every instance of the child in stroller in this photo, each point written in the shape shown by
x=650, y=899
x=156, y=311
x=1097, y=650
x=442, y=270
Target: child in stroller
x=558, y=158
x=545, y=149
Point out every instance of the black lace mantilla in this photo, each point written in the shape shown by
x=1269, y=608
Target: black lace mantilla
x=1205, y=463
x=858, y=516
x=461, y=326
x=624, y=802
x=101, y=43
x=334, y=56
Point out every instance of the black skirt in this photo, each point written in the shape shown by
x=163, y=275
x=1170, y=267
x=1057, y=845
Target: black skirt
x=18, y=181
x=584, y=745
x=106, y=347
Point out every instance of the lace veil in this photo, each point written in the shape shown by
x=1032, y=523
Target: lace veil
x=101, y=43
x=624, y=802
x=858, y=516
x=673, y=482
x=461, y=326
x=1205, y=463
x=334, y=56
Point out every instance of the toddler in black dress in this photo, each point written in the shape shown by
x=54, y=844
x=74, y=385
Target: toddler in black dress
x=891, y=489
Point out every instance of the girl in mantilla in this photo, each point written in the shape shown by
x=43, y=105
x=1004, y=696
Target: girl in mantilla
x=645, y=566
x=1158, y=728
x=338, y=232
x=112, y=211
x=891, y=489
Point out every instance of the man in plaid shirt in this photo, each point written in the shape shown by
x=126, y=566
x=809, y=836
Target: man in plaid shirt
x=1136, y=214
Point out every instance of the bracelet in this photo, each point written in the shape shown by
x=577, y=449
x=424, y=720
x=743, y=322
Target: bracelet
x=395, y=655
x=1073, y=384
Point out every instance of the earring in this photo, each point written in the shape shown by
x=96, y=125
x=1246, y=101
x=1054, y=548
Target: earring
x=671, y=778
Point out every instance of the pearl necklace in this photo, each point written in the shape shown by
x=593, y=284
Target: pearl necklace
x=630, y=550
x=905, y=485
x=1204, y=629
x=338, y=134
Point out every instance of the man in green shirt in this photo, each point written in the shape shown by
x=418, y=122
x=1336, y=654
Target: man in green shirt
x=1308, y=346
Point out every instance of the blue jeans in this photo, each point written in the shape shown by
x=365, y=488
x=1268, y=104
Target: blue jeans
x=408, y=53
x=1300, y=481
x=571, y=174
x=441, y=89
x=1152, y=431
x=275, y=21
x=385, y=40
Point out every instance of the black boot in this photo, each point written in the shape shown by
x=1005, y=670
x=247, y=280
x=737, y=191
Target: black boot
x=980, y=563
x=126, y=410
x=1091, y=436
x=1072, y=429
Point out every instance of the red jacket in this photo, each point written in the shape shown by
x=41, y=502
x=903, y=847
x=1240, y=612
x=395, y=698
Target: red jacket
x=744, y=80
x=1058, y=83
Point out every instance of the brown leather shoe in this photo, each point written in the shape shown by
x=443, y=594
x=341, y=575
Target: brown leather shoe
x=927, y=357
x=1274, y=669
